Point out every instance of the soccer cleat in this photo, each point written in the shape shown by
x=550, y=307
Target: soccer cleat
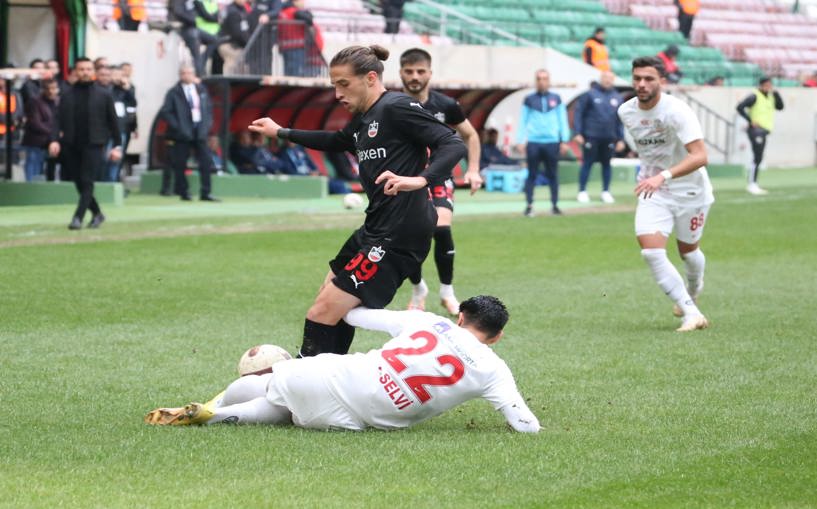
x=692, y=323
x=756, y=190
x=96, y=221
x=194, y=413
x=76, y=224
x=583, y=197
x=215, y=401
x=606, y=197
x=529, y=211
x=451, y=304
x=556, y=211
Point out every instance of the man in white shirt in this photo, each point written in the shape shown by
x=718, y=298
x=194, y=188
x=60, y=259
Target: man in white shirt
x=429, y=366
x=674, y=192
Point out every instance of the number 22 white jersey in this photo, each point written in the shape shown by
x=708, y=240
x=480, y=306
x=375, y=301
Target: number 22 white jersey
x=661, y=135
x=428, y=367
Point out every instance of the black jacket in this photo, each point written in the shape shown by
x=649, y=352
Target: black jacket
x=102, y=123
x=237, y=25
x=41, y=123
x=176, y=112
x=126, y=110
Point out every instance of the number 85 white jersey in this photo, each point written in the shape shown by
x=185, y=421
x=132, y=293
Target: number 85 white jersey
x=429, y=366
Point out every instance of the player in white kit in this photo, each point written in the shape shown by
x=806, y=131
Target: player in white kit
x=430, y=365
x=674, y=192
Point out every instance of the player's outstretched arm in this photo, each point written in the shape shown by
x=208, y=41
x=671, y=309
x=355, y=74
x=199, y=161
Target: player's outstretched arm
x=393, y=322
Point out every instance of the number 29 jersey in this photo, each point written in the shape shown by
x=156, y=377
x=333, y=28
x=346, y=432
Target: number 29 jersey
x=430, y=365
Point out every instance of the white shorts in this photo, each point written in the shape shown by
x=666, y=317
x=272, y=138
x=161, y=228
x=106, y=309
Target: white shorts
x=658, y=216
x=301, y=386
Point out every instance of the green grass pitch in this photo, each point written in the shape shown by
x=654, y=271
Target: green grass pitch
x=155, y=308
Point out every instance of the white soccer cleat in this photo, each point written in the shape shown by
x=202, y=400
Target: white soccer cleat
x=693, y=322
x=583, y=197
x=756, y=190
x=451, y=304
x=606, y=197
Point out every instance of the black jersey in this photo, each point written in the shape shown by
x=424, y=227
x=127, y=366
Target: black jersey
x=395, y=134
x=444, y=108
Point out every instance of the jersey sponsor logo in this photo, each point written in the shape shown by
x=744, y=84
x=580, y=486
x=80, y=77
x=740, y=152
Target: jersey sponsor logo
x=441, y=327
x=646, y=142
x=440, y=116
x=373, y=129
x=376, y=254
x=371, y=154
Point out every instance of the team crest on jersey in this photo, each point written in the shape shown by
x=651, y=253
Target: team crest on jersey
x=440, y=116
x=373, y=129
x=659, y=126
x=354, y=135
x=614, y=102
x=552, y=103
x=376, y=254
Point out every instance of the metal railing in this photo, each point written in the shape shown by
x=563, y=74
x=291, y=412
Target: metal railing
x=719, y=131
x=284, y=48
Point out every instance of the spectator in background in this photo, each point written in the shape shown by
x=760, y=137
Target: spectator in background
x=599, y=132
x=214, y=144
x=235, y=32
x=717, y=81
x=42, y=128
x=542, y=135
x=87, y=122
x=53, y=67
x=299, y=39
x=186, y=12
x=761, y=105
x=687, y=9
x=393, y=14
x=129, y=14
x=189, y=116
x=242, y=154
x=297, y=161
x=491, y=153
x=99, y=63
x=72, y=78
x=810, y=81
x=31, y=87
x=668, y=58
x=125, y=104
x=595, y=51
x=104, y=78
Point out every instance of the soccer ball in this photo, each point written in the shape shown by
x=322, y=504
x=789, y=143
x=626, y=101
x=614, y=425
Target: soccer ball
x=259, y=359
x=352, y=201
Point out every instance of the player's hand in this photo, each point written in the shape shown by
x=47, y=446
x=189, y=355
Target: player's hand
x=53, y=149
x=579, y=139
x=265, y=126
x=115, y=154
x=474, y=179
x=563, y=148
x=395, y=183
x=649, y=186
x=620, y=146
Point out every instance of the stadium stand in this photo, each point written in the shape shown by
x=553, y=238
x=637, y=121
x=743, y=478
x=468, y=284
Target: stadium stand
x=565, y=24
x=761, y=32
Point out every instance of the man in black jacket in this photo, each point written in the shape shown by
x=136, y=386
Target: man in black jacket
x=189, y=116
x=185, y=12
x=87, y=120
x=236, y=30
x=41, y=128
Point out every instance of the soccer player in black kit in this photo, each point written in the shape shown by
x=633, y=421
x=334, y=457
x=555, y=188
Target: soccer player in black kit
x=415, y=72
x=391, y=134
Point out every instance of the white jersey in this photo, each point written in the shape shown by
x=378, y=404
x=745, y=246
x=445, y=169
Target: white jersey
x=661, y=135
x=429, y=366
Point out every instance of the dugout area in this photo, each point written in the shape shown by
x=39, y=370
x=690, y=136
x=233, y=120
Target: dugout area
x=300, y=103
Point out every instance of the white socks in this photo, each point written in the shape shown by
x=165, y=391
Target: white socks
x=420, y=290
x=255, y=411
x=669, y=280
x=447, y=292
x=695, y=262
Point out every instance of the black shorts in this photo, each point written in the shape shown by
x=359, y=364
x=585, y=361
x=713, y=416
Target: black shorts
x=373, y=269
x=443, y=195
